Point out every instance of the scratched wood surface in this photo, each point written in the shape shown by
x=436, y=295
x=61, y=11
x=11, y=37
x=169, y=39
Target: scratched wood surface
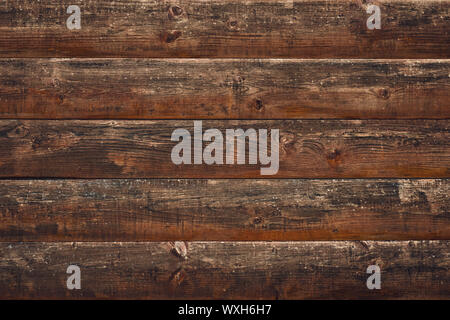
x=223, y=89
x=246, y=270
x=237, y=209
x=85, y=149
x=223, y=28
x=142, y=149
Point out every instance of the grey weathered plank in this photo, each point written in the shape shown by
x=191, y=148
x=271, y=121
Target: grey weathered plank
x=226, y=270
x=223, y=28
x=236, y=209
x=224, y=89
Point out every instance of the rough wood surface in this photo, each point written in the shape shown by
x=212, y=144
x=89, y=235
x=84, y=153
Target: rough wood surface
x=142, y=149
x=223, y=28
x=223, y=89
x=226, y=270
x=236, y=209
x=117, y=68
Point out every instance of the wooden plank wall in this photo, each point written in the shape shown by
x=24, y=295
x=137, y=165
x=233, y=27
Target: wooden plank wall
x=86, y=175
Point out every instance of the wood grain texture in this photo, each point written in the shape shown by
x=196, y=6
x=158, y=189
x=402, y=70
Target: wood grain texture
x=223, y=28
x=226, y=270
x=142, y=149
x=236, y=209
x=223, y=89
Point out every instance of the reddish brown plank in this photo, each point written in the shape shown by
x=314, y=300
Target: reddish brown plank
x=224, y=89
x=307, y=149
x=226, y=270
x=223, y=28
x=236, y=209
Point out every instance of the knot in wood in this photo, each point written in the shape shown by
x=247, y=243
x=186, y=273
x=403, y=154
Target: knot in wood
x=170, y=36
x=175, y=12
x=384, y=93
x=259, y=105
x=179, y=249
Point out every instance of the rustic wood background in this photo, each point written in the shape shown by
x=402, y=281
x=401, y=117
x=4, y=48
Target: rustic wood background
x=86, y=177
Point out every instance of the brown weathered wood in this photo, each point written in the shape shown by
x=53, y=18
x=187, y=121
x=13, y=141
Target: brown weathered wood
x=236, y=209
x=223, y=28
x=142, y=149
x=223, y=89
x=226, y=270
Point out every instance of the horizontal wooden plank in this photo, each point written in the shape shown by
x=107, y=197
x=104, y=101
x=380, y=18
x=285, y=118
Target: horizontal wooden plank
x=223, y=28
x=226, y=270
x=224, y=89
x=236, y=209
x=307, y=149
